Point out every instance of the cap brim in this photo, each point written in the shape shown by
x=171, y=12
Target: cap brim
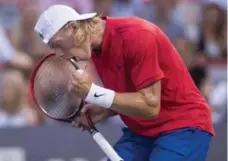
x=86, y=16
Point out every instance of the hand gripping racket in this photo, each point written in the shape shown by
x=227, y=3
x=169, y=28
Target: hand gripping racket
x=49, y=90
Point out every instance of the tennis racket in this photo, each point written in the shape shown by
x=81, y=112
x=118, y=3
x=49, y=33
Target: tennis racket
x=49, y=88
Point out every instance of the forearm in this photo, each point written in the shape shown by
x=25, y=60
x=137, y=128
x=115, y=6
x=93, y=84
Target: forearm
x=135, y=105
x=142, y=104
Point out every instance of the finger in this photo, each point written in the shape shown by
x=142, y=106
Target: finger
x=75, y=124
x=74, y=87
x=88, y=107
x=74, y=82
x=78, y=74
x=85, y=108
x=82, y=128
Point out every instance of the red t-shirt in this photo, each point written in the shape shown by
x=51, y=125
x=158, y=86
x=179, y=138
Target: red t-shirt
x=136, y=53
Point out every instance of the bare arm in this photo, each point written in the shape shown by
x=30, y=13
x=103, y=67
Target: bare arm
x=142, y=104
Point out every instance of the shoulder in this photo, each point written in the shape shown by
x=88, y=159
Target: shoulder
x=139, y=43
x=133, y=36
x=127, y=26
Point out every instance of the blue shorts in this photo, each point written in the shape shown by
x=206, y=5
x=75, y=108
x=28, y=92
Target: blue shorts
x=188, y=144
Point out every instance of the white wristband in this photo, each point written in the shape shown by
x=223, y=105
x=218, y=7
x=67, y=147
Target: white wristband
x=100, y=96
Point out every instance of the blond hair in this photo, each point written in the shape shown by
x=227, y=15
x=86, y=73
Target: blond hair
x=84, y=28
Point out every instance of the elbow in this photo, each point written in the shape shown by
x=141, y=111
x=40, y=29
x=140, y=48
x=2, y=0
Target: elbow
x=151, y=100
x=152, y=112
x=152, y=108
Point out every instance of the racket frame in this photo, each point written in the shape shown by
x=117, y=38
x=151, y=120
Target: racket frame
x=32, y=92
x=97, y=136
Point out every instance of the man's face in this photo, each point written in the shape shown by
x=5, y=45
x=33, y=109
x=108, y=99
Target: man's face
x=64, y=43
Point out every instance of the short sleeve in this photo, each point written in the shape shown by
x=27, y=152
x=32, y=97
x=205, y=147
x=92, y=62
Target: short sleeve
x=142, y=59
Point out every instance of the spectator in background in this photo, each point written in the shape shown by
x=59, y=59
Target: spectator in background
x=13, y=112
x=218, y=101
x=212, y=28
x=200, y=77
x=9, y=56
x=9, y=14
x=7, y=51
x=195, y=65
x=22, y=62
x=144, y=9
x=82, y=6
x=185, y=49
x=102, y=7
x=188, y=13
x=121, y=8
x=164, y=18
x=221, y=3
x=224, y=41
x=23, y=37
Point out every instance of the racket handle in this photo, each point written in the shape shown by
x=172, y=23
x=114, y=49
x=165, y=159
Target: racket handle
x=106, y=147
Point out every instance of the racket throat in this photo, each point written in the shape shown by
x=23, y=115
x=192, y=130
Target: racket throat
x=92, y=130
x=73, y=61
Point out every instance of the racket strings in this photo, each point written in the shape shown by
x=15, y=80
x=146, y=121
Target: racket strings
x=51, y=88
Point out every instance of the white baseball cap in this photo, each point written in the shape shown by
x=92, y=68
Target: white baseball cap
x=54, y=18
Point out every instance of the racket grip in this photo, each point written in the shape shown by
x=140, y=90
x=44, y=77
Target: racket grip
x=106, y=147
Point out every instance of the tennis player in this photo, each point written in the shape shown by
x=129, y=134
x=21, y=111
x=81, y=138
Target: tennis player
x=145, y=82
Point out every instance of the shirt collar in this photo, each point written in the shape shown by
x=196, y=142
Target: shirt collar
x=105, y=45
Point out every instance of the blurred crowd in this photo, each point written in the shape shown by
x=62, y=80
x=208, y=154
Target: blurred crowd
x=197, y=28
